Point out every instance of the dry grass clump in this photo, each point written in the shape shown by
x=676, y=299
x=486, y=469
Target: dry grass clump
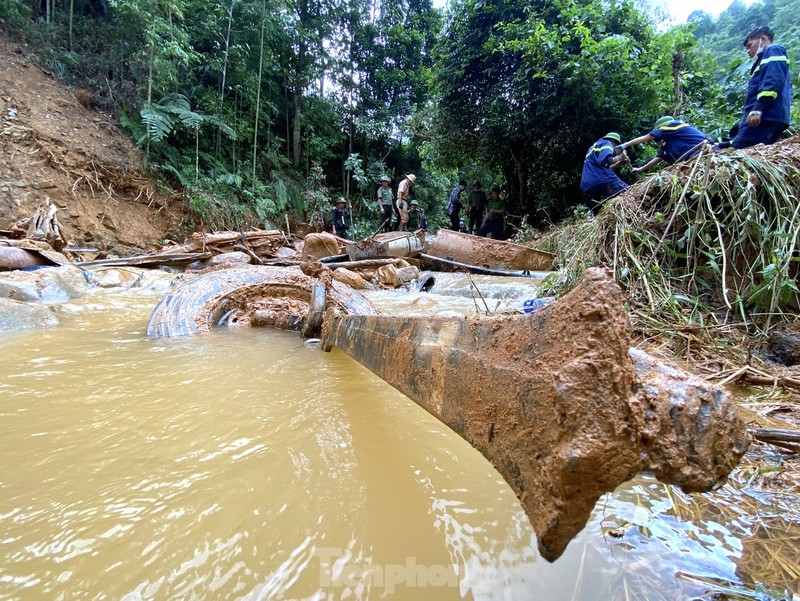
x=707, y=245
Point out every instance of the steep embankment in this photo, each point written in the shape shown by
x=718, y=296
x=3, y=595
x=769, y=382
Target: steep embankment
x=53, y=146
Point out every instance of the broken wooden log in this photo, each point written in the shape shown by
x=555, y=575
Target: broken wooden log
x=786, y=439
x=553, y=401
x=153, y=260
x=44, y=225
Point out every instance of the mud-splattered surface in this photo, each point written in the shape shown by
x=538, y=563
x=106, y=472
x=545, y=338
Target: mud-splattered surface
x=484, y=252
x=547, y=398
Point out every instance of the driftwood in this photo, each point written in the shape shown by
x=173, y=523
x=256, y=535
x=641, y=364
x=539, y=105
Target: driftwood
x=44, y=225
x=259, y=244
x=787, y=439
x=154, y=260
x=15, y=233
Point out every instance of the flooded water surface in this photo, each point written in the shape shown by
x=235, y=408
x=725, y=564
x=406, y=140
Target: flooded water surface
x=245, y=465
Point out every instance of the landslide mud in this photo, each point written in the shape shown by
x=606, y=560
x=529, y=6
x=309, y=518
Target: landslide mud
x=549, y=398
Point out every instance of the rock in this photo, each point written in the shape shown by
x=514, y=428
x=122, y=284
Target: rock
x=388, y=276
x=233, y=259
x=46, y=285
x=114, y=277
x=320, y=245
x=783, y=344
x=16, y=315
x=287, y=253
x=408, y=274
x=396, y=274
x=351, y=278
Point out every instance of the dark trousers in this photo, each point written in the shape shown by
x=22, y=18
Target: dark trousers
x=493, y=227
x=597, y=195
x=768, y=132
x=475, y=218
x=386, y=218
x=454, y=221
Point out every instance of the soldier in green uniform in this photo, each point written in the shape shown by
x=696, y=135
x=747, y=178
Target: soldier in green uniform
x=477, y=206
x=416, y=216
x=385, y=203
x=495, y=213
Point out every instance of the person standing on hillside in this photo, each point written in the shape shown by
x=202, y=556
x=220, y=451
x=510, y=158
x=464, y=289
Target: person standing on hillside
x=403, y=198
x=453, y=208
x=767, y=106
x=598, y=179
x=385, y=202
x=679, y=142
x=477, y=205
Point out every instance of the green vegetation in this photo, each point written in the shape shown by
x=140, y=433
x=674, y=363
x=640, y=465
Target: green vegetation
x=235, y=101
x=709, y=243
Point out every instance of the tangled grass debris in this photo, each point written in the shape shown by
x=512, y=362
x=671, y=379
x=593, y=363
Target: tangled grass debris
x=708, y=246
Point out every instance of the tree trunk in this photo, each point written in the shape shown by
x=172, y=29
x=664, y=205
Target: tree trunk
x=677, y=64
x=518, y=182
x=71, y=18
x=258, y=93
x=298, y=113
x=226, y=52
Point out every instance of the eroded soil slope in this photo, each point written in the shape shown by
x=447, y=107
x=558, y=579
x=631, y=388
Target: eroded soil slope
x=53, y=146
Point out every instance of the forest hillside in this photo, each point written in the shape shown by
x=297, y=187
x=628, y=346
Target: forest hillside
x=263, y=112
x=56, y=146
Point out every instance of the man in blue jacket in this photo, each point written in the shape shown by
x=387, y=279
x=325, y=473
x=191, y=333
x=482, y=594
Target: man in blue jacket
x=679, y=142
x=767, y=106
x=598, y=179
x=453, y=208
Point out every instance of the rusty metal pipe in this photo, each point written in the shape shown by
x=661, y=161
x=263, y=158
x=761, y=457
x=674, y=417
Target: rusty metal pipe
x=554, y=400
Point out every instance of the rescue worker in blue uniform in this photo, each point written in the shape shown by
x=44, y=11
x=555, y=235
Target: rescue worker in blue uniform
x=679, y=142
x=767, y=106
x=598, y=179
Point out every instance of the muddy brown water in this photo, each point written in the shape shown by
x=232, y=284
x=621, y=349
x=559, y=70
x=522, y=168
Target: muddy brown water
x=243, y=464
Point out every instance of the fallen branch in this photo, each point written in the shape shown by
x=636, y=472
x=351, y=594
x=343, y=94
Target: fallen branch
x=245, y=249
x=750, y=375
x=787, y=439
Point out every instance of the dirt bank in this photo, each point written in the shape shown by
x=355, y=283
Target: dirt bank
x=53, y=146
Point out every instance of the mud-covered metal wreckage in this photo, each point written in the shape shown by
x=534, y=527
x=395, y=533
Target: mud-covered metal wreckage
x=556, y=400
